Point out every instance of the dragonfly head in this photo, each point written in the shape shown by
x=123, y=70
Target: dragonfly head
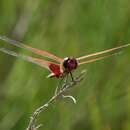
x=70, y=64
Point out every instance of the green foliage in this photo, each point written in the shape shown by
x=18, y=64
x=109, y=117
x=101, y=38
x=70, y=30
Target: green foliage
x=65, y=28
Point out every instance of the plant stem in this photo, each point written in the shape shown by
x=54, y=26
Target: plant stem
x=60, y=94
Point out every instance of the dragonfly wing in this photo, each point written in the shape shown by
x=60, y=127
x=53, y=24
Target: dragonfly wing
x=102, y=52
x=97, y=59
x=40, y=62
x=34, y=50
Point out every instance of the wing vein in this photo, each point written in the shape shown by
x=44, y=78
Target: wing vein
x=34, y=50
x=102, y=52
x=40, y=62
x=97, y=59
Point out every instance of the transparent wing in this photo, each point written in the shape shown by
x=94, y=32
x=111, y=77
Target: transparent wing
x=97, y=59
x=40, y=62
x=34, y=50
x=102, y=52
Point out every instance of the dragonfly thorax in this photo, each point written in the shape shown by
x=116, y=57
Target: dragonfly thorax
x=69, y=64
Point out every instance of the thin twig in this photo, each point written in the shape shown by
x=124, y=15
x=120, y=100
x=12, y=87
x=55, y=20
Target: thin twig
x=32, y=124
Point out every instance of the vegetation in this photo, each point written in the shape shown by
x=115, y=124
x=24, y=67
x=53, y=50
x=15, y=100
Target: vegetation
x=65, y=28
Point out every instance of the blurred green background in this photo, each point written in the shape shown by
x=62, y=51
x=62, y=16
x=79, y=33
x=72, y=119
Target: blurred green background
x=65, y=28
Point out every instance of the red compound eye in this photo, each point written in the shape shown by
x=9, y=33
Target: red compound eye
x=70, y=64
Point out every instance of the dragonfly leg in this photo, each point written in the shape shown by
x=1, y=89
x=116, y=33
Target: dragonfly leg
x=66, y=82
x=61, y=86
x=72, y=77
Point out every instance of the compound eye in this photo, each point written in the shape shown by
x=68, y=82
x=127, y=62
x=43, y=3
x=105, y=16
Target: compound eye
x=72, y=63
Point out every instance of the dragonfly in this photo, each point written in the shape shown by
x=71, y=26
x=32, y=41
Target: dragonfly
x=61, y=67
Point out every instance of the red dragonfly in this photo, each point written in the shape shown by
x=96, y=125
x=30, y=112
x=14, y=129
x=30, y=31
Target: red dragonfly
x=61, y=67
